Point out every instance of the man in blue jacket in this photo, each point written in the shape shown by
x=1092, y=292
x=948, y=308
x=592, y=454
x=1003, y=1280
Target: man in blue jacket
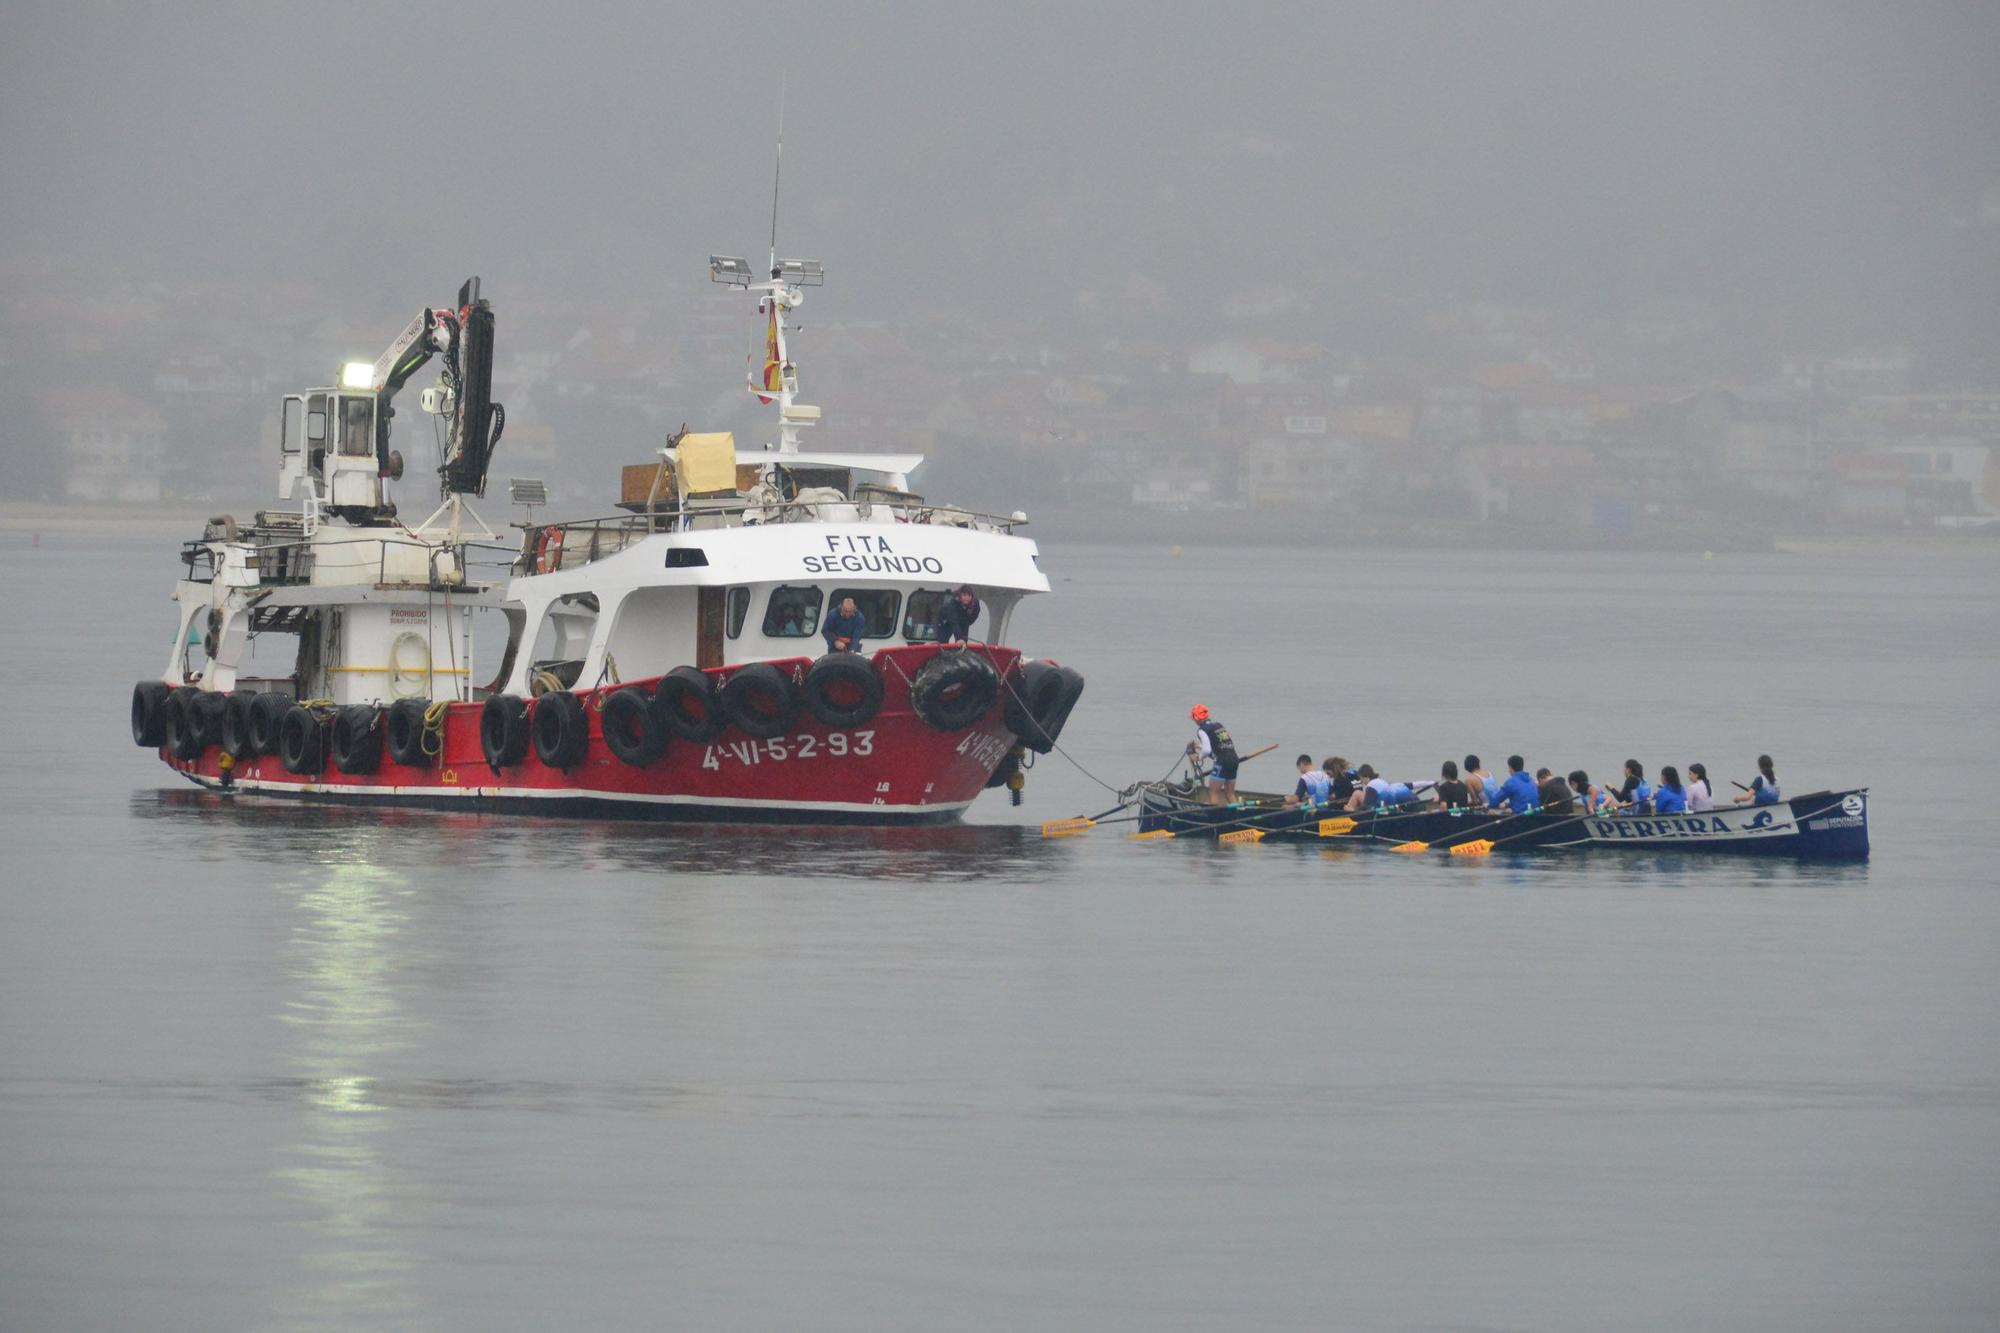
x=1518, y=792
x=844, y=627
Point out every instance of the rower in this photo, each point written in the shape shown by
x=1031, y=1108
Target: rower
x=1451, y=793
x=1214, y=753
x=1315, y=786
x=1518, y=792
x=1763, y=789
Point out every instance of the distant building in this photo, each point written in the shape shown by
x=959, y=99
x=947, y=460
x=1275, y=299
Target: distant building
x=115, y=447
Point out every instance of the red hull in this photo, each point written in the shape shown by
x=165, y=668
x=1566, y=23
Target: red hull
x=896, y=768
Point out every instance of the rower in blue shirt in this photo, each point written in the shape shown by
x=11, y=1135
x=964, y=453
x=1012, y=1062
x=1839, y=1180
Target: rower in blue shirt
x=1518, y=793
x=1763, y=789
x=1670, y=797
x=1315, y=784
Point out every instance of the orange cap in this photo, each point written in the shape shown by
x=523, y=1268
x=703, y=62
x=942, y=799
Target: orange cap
x=1199, y=712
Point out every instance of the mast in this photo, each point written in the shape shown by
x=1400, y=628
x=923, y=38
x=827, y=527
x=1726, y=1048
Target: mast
x=776, y=380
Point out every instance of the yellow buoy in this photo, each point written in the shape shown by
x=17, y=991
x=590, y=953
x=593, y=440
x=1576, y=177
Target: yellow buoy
x=1177, y=550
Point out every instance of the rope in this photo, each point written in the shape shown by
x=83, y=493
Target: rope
x=434, y=727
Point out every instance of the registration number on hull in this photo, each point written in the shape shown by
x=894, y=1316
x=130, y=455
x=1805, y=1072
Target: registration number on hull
x=783, y=749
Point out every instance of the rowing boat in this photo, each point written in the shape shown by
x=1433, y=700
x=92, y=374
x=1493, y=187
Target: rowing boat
x=1822, y=826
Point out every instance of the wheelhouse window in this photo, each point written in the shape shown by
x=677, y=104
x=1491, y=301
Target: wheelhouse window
x=878, y=607
x=739, y=607
x=357, y=427
x=792, y=612
x=920, y=623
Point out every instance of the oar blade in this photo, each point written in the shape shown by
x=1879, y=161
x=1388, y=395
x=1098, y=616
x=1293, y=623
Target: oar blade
x=1333, y=828
x=1063, y=828
x=1153, y=836
x=1242, y=835
x=1411, y=848
x=1477, y=847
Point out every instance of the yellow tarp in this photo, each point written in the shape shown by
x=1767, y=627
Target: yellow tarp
x=706, y=462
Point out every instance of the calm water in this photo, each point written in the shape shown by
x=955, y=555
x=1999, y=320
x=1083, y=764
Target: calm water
x=273, y=1067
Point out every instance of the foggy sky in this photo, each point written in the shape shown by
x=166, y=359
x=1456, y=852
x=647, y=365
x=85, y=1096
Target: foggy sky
x=1800, y=157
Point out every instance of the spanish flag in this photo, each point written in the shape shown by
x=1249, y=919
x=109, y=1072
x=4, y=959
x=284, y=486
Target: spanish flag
x=774, y=377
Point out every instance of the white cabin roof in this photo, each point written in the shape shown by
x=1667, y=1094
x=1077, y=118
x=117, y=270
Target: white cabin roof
x=888, y=464
x=901, y=554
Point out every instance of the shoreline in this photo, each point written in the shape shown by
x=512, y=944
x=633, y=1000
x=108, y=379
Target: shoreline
x=185, y=522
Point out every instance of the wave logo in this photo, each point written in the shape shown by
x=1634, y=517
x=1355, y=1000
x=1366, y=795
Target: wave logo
x=1761, y=820
x=1852, y=805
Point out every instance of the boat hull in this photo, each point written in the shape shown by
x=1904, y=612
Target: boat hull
x=894, y=769
x=1823, y=826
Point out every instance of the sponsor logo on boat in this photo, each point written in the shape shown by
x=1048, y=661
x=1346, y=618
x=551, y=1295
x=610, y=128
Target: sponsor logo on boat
x=1681, y=826
x=1836, y=821
x=1852, y=804
x=863, y=554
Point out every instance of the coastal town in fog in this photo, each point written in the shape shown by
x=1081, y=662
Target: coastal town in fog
x=1276, y=408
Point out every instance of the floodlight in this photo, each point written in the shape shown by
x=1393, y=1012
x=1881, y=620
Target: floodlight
x=729, y=270
x=357, y=375
x=802, y=272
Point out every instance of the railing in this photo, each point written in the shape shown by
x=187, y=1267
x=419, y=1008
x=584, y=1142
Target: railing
x=283, y=559
x=546, y=547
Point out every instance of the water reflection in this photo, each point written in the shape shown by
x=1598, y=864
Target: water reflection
x=287, y=832
x=345, y=1021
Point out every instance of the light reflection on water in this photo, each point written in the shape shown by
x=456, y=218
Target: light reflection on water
x=345, y=1021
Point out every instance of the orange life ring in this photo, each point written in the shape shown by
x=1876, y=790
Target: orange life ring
x=548, y=551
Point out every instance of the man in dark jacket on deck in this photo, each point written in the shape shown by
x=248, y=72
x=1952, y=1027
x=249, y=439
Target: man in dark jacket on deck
x=954, y=622
x=844, y=628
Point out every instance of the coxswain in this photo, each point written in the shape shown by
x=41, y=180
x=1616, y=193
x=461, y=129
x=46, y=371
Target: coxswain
x=1763, y=789
x=1214, y=754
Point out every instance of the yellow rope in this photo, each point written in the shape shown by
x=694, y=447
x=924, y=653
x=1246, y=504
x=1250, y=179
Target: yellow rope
x=433, y=738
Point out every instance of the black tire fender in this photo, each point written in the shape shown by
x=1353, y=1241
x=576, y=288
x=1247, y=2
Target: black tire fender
x=149, y=719
x=561, y=728
x=266, y=715
x=236, y=724
x=1039, y=699
x=503, y=731
x=205, y=717
x=843, y=673
x=633, y=731
x=300, y=746
x=686, y=702
x=760, y=701
x=954, y=690
x=357, y=739
x=178, y=725
x=403, y=730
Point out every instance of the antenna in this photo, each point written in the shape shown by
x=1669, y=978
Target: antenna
x=777, y=173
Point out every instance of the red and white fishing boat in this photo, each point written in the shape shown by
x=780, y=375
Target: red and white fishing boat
x=666, y=662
